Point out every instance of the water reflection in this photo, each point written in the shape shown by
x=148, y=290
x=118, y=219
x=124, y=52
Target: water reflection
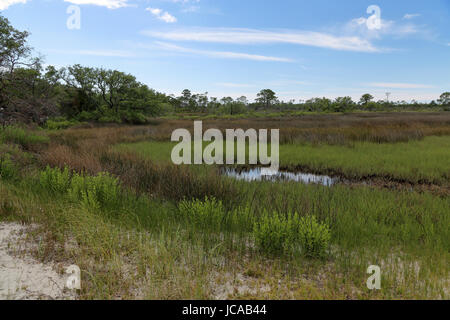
x=256, y=175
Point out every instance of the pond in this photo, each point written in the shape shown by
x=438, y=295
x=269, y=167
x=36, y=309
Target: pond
x=255, y=174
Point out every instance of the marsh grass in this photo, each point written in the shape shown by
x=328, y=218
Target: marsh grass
x=415, y=162
x=142, y=240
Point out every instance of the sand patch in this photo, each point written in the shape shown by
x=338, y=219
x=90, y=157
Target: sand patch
x=21, y=276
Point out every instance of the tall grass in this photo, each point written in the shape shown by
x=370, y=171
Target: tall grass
x=149, y=229
x=22, y=137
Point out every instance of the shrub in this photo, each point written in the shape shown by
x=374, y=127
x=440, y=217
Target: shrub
x=276, y=233
x=7, y=168
x=101, y=191
x=134, y=117
x=55, y=180
x=314, y=237
x=271, y=233
x=58, y=123
x=207, y=213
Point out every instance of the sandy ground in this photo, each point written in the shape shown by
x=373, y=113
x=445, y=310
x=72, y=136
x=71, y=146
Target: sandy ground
x=21, y=276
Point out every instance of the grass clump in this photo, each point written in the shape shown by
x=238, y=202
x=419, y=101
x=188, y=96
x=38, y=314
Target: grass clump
x=7, y=168
x=97, y=192
x=313, y=236
x=55, y=180
x=26, y=139
x=277, y=233
x=60, y=123
x=208, y=213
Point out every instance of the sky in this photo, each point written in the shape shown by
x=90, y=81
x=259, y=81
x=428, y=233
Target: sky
x=300, y=49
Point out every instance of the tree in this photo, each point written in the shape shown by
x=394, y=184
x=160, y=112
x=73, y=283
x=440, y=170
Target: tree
x=444, y=99
x=81, y=90
x=243, y=100
x=266, y=98
x=185, y=98
x=114, y=86
x=365, y=99
x=342, y=104
x=24, y=91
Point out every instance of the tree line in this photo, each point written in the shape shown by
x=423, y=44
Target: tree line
x=30, y=92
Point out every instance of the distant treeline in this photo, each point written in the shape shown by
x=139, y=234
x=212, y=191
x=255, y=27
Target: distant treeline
x=31, y=93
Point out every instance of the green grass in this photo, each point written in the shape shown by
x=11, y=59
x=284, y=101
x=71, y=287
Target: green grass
x=166, y=232
x=396, y=230
x=25, y=138
x=425, y=161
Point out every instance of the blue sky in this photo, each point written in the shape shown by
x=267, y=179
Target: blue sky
x=300, y=49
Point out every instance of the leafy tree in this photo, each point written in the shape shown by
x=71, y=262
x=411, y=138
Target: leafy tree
x=365, y=99
x=342, y=104
x=444, y=99
x=266, y=98
x=114, y=86
x=24, y=92
x=81, y=92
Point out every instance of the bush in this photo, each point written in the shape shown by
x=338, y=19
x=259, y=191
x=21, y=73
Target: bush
x=314, y=237
x=7, y=168
x=209, y=213
x=271, y=233
x=101, y=191
x=60, y=123
x=98, y=192
x=134, y=117
x=275, y=233
x=55, y=180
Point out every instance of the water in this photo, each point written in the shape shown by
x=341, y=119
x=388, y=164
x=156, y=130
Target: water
x=256, y=175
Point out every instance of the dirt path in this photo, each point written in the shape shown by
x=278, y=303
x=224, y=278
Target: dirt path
x=21, y=276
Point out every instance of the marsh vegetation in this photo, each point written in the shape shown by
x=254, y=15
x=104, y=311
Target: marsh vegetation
x=141, y=227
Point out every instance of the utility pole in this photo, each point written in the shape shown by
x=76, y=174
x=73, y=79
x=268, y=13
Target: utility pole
x=388, y=94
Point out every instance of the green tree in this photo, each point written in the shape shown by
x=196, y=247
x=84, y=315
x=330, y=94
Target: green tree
x=266, y=98
x=114, y=87
x=365, y=99
x=444, y=99
x=342, y=104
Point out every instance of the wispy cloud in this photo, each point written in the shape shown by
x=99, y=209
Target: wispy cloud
x=387, y=28
x=5, y=4
x=220, y=54
x=110, y=4
x=409, y=16
x=234, y=85
x=96, y=53
x=164, y=16
x=399, y=85
x=252, y=36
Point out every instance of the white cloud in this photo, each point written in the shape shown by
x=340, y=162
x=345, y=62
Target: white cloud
x=4, y=4
x=409, y=16
x=359, y=26
x=105, y=53
x=220, y=54
x=164, y=16
x=234, y=85
x=110, y=4
x=184, y=1
x=252, y=36
x=399, y=85
x=96, y=53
